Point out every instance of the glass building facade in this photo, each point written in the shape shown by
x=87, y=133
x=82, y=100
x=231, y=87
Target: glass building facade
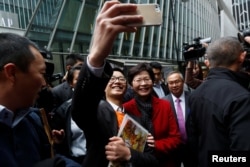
x=241, y=13
x=66, y=26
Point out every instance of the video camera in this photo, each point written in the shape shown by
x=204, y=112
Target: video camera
x=246, y=46
x=49, y=76
x=197, y=51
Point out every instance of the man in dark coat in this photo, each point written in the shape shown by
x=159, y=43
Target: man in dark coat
x=219, y=108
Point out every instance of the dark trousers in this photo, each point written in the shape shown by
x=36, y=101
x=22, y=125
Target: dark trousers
x=182, y=155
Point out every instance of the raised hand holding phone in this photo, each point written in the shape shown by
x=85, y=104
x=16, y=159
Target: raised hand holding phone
x=151, y=14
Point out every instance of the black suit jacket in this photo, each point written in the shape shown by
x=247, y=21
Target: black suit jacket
x=164, y=88
x=183, y=153
x=98, y=119
x=61, y=93
x=61, y=119
x=187, y=110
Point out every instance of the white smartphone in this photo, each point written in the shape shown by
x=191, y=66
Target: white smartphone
x=151, y=14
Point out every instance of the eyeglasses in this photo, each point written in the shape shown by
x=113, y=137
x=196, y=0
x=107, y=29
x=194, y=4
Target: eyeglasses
x=120, y=79
x=139, y=81
x=174, y=82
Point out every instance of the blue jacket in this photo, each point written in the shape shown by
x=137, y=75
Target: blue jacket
x=25, y=143
x=21, y=145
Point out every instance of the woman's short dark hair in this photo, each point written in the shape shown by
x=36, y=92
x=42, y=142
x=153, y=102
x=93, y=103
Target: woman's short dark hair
x=133, y=71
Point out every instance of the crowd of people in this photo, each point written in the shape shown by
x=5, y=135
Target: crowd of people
x=86, y=110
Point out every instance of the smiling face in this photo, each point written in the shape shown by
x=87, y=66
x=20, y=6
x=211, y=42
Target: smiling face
x=142, y=84
x=175, y=84
x=116, y=87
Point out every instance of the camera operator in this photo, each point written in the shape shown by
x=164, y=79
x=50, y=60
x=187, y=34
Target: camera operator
x=245, y=72
x=246, y=44
x=193, y=73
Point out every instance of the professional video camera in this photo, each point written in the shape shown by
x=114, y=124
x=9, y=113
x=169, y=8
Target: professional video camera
x=246, y=45
x=49, y=76
x=197, y=51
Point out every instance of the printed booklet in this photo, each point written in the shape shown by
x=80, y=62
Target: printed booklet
x=134, y=135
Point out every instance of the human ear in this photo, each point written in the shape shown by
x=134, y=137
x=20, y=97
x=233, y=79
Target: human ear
x=242, y=57
x=10, y=70
x=206, y=62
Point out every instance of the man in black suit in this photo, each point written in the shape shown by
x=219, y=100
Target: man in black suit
x=175, y=83
x=70, y=138
x=95, y=116
x=64, y=91
x=159, y=89
x=100, y=119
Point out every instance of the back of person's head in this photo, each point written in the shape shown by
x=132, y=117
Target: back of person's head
x=133, y=71
x=224, y=52
x=156, y=65
x=16, y=49
x=73, y=58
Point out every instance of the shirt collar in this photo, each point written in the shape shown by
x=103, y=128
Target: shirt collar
x=8, y=118
x=158, y=83
x=115, y=107
x=181, y=97
x=19, y=116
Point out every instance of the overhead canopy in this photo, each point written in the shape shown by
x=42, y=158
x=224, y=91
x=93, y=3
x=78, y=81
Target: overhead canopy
x=132, y=62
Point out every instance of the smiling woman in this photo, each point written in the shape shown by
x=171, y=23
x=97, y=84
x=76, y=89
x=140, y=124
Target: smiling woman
x=156, y=114
x=139, y=80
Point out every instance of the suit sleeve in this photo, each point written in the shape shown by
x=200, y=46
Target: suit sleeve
x=87, y=95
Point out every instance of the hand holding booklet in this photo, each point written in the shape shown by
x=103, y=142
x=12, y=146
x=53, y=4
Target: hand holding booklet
x=133, y=134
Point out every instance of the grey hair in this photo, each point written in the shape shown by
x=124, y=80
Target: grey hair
x=224, y=52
